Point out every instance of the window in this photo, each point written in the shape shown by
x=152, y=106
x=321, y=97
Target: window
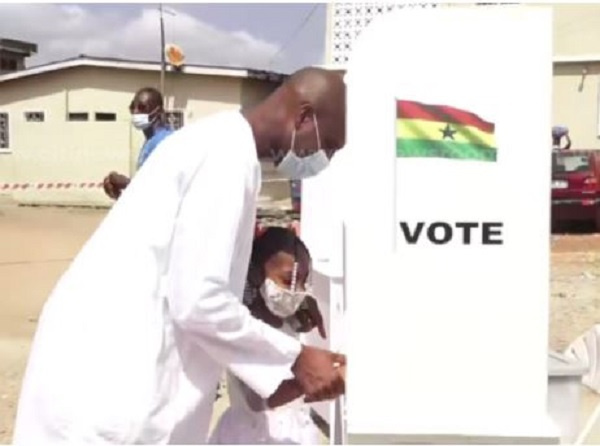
x=34, y=116
x=4, y=136
x=8, y=65
x=174, y=119
x=106, y=117
x=570, y=163
x=78, y=117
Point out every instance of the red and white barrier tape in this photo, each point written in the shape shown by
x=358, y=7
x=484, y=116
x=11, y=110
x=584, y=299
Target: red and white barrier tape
x=24, y=186
x=73, y=185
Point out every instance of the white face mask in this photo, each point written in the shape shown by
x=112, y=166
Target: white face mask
x=142, y=121
x=281, y=302
x=298, y=168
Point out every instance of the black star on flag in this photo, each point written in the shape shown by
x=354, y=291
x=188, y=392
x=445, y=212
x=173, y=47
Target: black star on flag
x=447, y=132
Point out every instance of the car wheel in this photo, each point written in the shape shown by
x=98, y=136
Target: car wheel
x=598, y=220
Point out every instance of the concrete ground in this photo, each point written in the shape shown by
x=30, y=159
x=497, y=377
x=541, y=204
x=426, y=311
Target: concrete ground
x=37, y=244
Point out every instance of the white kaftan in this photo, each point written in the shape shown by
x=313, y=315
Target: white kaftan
x=133, y=339
x=246, y=422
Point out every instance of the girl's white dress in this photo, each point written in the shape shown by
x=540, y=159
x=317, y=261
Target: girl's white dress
x=248, y=421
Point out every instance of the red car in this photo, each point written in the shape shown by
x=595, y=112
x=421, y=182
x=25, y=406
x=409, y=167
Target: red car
x=576, y=186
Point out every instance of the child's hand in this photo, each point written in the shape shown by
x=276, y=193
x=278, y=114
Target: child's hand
x=310, y=317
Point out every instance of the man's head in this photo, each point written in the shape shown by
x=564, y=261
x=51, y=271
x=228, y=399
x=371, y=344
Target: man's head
x=302, y=123
x=146, y=108
x=558, y=133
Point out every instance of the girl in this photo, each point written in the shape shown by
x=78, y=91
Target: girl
x=275, y=293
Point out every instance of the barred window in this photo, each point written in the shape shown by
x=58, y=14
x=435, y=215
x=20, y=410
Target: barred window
x=4, y=135
x=34, y=116
x=8, y=65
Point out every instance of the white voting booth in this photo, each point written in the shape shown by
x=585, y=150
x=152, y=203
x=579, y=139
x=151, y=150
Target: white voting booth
x=431, y=250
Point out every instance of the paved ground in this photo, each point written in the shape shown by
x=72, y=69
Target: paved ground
x=37, y=244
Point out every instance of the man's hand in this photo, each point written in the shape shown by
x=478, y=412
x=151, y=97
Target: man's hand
x=342, y=375
x=114, y=183
x=320, y=373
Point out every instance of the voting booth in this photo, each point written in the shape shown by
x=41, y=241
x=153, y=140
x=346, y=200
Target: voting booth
x=430, y=231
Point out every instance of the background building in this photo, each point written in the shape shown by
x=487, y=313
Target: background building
x=65, y=125
x=576, y=101
x=13, y=54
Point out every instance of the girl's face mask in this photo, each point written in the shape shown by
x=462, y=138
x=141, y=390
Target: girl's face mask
x=281, y=302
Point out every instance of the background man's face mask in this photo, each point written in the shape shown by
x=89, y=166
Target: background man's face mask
x=297, y=168
x=142, y=121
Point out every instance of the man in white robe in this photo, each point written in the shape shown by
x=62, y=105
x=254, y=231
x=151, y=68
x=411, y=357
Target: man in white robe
x=132, y=341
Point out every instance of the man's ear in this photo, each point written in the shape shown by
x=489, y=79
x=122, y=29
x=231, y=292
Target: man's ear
x=304, y=115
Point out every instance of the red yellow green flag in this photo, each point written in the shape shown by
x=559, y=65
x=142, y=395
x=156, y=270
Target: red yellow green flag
x=441, y=131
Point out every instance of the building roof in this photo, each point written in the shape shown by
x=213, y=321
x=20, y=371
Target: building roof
x=126, y=64
x=18, y=46
x=582, y=58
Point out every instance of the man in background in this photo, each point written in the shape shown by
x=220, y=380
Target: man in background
x=559, y=133
x=148, y=116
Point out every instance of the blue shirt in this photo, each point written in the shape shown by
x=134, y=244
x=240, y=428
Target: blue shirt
x=151, y=144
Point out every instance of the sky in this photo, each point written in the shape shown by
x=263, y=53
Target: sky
x=279, y=37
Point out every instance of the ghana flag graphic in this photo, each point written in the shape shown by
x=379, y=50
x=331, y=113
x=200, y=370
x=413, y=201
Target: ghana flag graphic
x=440, y=131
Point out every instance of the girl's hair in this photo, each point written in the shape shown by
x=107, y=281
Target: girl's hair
x=274, y=240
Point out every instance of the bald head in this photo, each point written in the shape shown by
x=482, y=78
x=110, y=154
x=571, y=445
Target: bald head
x=319, y=87
x=307, y=111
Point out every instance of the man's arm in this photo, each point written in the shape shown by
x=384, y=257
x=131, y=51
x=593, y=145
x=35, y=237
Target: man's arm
x=568, y=145
x=202, y=303
x=287, y=392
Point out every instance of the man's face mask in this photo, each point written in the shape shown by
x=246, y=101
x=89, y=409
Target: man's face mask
x=142, y=121
x=297, y=168
x=281, y=302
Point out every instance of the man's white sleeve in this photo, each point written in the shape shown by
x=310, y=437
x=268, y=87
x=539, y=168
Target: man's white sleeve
x=212, y=219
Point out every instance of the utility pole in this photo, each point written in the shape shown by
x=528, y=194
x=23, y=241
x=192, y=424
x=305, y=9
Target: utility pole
x=162, y=51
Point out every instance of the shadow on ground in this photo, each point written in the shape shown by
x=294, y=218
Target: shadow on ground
x=574, y=228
